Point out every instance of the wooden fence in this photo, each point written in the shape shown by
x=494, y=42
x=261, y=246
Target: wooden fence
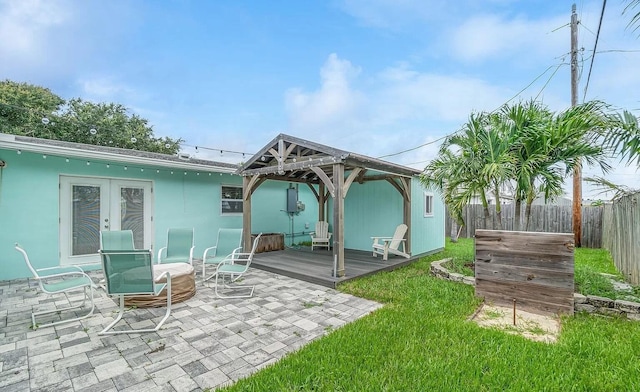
x=544, y=218
x=621, y=236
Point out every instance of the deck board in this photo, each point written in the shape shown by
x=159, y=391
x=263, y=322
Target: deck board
x=317, y=266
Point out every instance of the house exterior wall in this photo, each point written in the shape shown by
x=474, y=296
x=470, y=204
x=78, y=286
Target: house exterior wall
x=427, y=232
x=30, y=200
x=268, y=211
x=376, y=208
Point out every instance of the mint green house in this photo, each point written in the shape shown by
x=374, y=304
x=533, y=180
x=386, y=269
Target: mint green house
x=56, y=196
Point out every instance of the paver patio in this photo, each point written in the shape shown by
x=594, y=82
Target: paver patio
x=207, y=342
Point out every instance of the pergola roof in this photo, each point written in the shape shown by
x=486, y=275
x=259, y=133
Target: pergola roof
x=288, y=158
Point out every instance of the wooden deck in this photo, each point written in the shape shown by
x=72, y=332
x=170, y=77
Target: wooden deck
x=317, y=266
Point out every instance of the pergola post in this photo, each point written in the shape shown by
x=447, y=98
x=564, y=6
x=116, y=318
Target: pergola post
x=322, y=202
x=338, y=218
x=407, y=214
x=246, y=213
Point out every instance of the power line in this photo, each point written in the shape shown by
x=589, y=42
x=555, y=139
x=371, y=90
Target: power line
x=417, y=147
x=595, y=45
x=506, y=102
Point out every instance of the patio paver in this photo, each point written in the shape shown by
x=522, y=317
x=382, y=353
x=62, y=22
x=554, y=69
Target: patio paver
x=206, y=343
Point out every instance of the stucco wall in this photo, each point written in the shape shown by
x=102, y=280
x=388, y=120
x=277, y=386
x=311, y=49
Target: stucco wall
x=29, y=205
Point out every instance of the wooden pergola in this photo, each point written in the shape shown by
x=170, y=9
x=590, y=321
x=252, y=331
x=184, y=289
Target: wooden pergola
x=291, y=159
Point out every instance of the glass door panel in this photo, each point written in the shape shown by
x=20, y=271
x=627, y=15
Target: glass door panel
x=131, y=201
x=85, y=219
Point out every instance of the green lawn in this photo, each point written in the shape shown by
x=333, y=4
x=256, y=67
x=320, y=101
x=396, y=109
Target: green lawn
x=421, y=341
x=589, y=266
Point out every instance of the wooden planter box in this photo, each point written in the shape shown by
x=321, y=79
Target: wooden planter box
x=269, y=242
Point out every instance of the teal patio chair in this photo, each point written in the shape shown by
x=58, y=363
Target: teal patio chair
x=55, y=280
x=130, y=273
x=116, y=240
x=229, y=241
x=179, y=247
x=231, y=269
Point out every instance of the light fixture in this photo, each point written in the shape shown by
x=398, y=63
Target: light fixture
x=44, y=157
x=108, y=165
x=88, y=163
x=67, y=160
x=125, y=168
x=19, y=152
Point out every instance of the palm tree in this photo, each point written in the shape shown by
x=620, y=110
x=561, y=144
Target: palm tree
x=632, y=7
x=624, y=137
x=520, y=125
x=558, y=144
x=469, y=163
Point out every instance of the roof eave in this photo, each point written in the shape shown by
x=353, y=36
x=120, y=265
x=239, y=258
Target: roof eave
x=9, y=142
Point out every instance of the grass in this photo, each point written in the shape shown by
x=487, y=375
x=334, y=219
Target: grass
x=590, y=264
x=421, y=340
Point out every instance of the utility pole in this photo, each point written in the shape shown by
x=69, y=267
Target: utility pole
x=577, y=170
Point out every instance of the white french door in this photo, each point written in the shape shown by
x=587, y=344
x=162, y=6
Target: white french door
x=89, y=205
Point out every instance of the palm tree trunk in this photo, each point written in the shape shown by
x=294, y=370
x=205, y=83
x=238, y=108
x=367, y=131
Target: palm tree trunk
x=496, y=191
x=454, y=229
x=527, y=214
x=517, y=224
x=485, y=208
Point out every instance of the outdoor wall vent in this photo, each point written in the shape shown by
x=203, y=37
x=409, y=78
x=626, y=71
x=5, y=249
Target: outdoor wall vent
x=184, y=156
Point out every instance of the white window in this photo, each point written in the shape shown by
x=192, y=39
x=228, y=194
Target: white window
x=231, y=199
x=428, y=204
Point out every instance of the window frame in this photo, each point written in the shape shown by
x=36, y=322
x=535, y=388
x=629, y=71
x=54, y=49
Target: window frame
x=427, y=204
x=226, y=199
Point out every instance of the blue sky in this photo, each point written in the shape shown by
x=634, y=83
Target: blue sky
x=371, y=76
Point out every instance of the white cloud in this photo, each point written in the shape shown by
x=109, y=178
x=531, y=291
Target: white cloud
x=102, y=88
x=493, y=37
x=335, y=101
x=24, y=24
x=394, y=14
x=400, y=107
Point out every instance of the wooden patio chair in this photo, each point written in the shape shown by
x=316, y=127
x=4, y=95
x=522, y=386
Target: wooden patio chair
x=321, y=236
x=232, y=268
x=130, y=273
x=55, y=280
x=229, y=241
x=389, y=245
x=179, y=247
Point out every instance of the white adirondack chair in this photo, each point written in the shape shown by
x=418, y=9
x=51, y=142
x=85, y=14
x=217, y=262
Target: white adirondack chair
x=321, y=237
x=389, y=245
